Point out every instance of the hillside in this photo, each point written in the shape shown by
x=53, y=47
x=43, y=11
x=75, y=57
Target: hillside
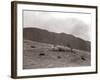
x=45, y=36
x=41, y=55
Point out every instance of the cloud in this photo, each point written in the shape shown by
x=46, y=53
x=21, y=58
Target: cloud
x=59, y=22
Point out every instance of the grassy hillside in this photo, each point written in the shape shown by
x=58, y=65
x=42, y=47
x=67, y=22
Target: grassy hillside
x=41, y=55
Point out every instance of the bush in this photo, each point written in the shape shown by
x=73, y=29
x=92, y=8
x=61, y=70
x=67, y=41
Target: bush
x=33, y=46
x=42, y=54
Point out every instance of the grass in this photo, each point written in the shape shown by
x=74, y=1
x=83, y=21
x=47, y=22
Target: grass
x=42, y=56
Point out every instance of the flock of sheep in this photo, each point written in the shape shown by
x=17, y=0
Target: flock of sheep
x=61, y=48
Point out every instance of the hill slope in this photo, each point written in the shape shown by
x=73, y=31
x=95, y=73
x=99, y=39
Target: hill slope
x=45, y=36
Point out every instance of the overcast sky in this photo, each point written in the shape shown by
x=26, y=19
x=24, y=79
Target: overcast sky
x=77, y=24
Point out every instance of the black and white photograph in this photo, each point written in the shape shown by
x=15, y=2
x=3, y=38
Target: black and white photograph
x=53, y=39
x=56, y=39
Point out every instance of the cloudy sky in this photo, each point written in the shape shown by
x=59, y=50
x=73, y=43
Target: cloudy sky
x=77, y=24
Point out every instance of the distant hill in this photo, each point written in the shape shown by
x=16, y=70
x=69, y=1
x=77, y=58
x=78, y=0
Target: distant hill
x=41, y=35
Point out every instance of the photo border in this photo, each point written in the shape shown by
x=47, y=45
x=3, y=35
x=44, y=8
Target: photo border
x=14, y=37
